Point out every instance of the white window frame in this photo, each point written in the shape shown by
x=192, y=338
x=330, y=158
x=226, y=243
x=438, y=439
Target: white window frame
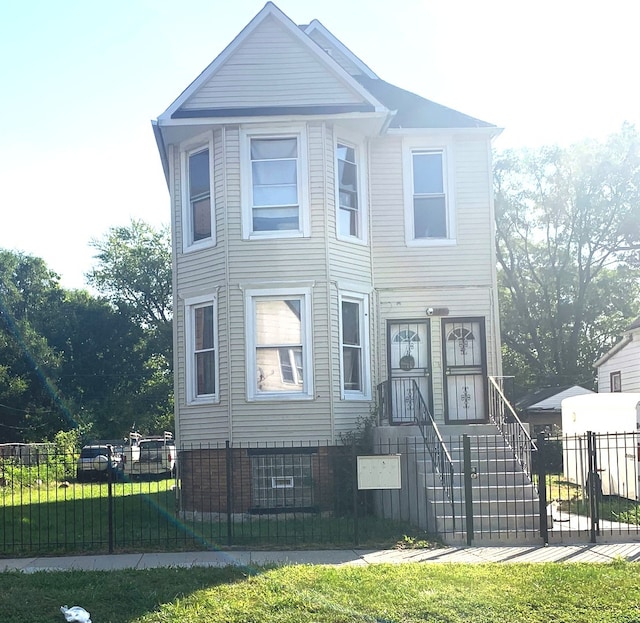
x=300, y=134
x=365, y=359
x=188, y=149
x=360, y=163
x=190, y=306
x=303, y=294
x=445, y=148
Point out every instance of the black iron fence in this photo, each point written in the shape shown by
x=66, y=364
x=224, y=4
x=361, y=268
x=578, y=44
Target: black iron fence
x=222, y=496
x=585, y=489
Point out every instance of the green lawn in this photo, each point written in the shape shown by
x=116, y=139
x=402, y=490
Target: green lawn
x=447, y=593
x=45, y=519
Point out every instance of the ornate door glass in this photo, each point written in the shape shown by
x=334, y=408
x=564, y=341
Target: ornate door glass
x=464, y=370
x=410, y=369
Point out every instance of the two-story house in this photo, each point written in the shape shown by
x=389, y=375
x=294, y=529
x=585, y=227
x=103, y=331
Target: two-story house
x=331, y=232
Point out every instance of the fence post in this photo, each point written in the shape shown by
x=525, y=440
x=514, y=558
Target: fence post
x=541, y=442
x=229, y=467
x=110, y=497
x=594, y=485
x=468, y=488
x=354, y=462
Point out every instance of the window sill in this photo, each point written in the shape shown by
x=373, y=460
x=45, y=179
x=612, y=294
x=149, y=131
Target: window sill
x=196, y=402
x=275, y=235
x=432, y=242
x=209, y=243
x=280, y=397
x=355, y=397
x=352, y=240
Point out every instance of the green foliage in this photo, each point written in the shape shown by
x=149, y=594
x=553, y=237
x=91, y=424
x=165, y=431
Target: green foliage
x=361, y=435
x=69, y=360
x=568, y=230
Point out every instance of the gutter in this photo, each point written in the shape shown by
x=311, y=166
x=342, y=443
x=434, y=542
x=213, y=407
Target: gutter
x=162, y=149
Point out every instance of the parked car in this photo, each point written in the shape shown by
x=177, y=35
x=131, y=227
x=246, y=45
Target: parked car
x=154, y=456
x=93, y=463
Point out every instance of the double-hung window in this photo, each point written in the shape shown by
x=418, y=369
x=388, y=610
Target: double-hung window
x=197, y=213
x=429, y=215
x=354, y=344
x=275, y=194
x=278, y=344
x=349, y=225
x=201, y=372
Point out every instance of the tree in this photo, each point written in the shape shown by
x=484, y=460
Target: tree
x=568, y=231
x=134, y=272
x=30, y=406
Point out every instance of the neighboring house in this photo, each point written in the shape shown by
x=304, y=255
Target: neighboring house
x=330, y=231
x=542, y=409
x=619, y=369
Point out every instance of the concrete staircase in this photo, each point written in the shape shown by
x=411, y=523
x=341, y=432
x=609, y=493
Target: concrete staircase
x=505, y=504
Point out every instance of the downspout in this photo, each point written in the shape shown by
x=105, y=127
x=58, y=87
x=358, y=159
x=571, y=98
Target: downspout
x=497, y=341
x=332, y=422
x=174, y=285
x=227, y=278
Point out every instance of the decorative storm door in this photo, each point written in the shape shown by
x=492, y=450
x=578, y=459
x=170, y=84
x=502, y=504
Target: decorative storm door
x=465, y=369
x=409, y=361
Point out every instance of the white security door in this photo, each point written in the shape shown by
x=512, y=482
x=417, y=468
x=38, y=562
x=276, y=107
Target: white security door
x=464, y=366
x=409, y=361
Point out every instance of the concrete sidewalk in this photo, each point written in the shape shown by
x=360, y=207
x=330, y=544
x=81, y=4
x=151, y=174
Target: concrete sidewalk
x=599, y=553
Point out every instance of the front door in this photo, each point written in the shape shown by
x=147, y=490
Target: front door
x=409, y=361
x=464, y=369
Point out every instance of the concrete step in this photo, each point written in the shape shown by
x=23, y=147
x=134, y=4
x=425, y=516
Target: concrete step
x=487, y=491
x=481, y=507
x=484, y=478
x=491, y=523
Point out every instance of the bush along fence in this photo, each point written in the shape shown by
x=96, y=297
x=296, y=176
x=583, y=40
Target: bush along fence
x=577, y=489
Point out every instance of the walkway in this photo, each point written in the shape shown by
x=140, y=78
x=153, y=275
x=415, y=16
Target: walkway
x=599, y=553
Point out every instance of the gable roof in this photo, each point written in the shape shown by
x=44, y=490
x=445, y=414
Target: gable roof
x=618, y=346
x=408, y=110
x=324, y=37
x=414, y=111
x=549, y=398
x=270, y=11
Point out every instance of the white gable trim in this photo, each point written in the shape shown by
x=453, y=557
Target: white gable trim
x=343, y=49
x=271, y=10
x=616, y=348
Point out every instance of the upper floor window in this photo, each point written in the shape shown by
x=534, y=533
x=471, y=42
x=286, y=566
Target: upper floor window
x=615, y=379
x=197, y=213
x=275, y=185
x=354, y=346
x=278, y=344
x=201, y=372
x=429, y=215
x=429, y=199
x=348, y=205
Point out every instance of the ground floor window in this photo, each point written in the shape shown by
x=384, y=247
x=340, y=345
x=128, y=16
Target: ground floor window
x=282, y=481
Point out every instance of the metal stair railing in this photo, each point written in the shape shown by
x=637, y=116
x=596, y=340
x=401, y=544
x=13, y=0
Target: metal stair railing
x=408, y=399
x=503, y=415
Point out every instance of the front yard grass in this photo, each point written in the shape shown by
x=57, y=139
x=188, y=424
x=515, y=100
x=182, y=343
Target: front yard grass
x=448, y=593
x=46, y=519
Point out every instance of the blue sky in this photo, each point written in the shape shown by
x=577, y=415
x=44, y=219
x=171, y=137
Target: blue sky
x=82, y=79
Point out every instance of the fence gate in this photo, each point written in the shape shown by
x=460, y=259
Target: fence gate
x=590, y=484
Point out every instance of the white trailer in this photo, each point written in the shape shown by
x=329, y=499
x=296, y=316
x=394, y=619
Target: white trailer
x=615, y=418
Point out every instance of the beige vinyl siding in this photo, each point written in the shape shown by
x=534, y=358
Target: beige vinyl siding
x=275, y=262
x=470, y=259
x=409, y=304
x=335, y=54
x=271, y=68
x=627, y=362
